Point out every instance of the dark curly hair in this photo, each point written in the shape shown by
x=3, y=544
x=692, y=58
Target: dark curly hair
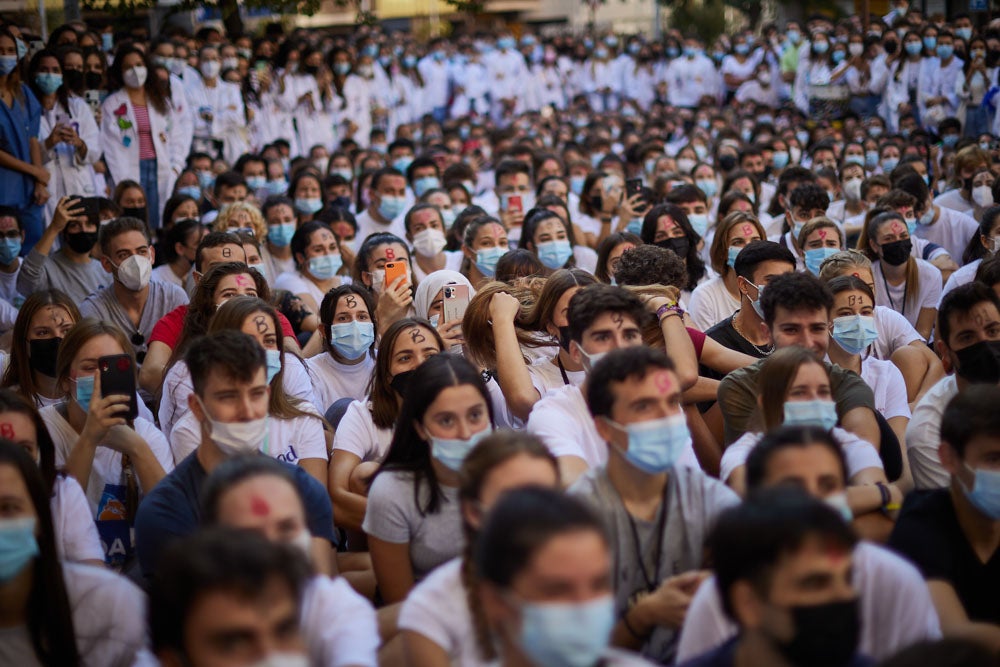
x=651, y=265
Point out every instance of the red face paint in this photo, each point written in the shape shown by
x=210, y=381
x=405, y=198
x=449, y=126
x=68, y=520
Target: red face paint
x=242, y=280
x=259, y=506
x=822, y=234
x=663, y=382
x=747, y=231
x=7, y=431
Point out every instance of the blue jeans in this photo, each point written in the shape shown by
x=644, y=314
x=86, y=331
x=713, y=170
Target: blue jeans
x=149, y=183
x=977, y=121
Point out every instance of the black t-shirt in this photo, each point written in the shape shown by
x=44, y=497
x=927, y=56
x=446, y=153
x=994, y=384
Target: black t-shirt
x=927, y=532
x=724, y=334
x=173, y=509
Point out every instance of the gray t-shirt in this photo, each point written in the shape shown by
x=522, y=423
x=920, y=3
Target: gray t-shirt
x=693, y=501
x=56, y=271
x=392, y=516
x=162, y=298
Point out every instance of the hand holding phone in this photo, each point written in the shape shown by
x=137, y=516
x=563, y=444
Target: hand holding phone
x=394, y=270
x=118, y=377
x=454, y=303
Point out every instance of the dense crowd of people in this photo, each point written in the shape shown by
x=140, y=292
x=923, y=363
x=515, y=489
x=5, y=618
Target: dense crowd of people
x=501, y=349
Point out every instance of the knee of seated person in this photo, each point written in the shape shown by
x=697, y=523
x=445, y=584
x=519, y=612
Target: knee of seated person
x=336, y=411
x=360, y=476
x=909, y=359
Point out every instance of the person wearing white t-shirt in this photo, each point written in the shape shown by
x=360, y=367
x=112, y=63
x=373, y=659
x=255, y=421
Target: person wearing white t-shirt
x=909, y=286
x=387, y=196
x=425, y=232
x=968, y=340
x=318, y=260
x=988, y=244
x=442, y=620
x=363, y=436
x=896, y=609
x=715, y=300
x=344, y=368
x=602, y=318
x=95, y=443
x=57, y=612
x=339, y=625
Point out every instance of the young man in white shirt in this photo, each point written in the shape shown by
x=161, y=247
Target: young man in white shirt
x=388, y=202
x=657, y=506
x=602, y=318
x=896, y=604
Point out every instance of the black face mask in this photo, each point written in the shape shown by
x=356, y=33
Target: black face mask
x=727, y=162
x=680, y=245
x=826, y=635
x=980, y=363
x=341, y=202
x=310, y=69
x=93, y=80
x=596, y=202
x=992, y=57
x=897, y=252
x=400, y=382
x=42, y=355
x=73, y=79
x=81, y=242
x=138, y=212
x=891, y=47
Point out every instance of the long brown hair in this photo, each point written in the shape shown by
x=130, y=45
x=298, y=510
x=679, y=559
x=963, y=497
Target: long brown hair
x=231, y=316
x=873, y=221
x=556, y=285
x=491, y=452
x=480, y=344
x=18, y=373
x=382, y=398
x=776, y=375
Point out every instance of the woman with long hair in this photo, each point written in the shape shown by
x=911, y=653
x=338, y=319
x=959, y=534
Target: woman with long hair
x=436, y=634
x=219, y=284
x=393, y=301
x=484, y=242
x=42, y=323
x=910, y=286
x=366, y=429
x=295, y=428
x=795, y=391
x=318, y=260
x=718, y=298
x=610, y=251
x=114, y=459
x=23, y=177
x=75, y=533
x=135, y=130
x=68, y=133
x=56, y=610
x=412, y=507
x=667, y=226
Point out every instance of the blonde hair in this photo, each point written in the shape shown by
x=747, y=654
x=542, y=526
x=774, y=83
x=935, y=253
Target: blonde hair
x=257, y=223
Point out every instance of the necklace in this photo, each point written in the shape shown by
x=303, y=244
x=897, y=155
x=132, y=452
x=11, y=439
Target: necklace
x=764, y=352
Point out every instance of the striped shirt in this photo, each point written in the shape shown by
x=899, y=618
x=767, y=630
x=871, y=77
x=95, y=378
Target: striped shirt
x=147, y=151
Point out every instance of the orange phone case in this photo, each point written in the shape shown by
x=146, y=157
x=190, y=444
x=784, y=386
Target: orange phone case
x=394, y=270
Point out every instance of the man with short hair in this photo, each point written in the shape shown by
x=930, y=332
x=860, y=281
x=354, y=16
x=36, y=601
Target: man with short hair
x=967, y=339
x=755, y=266
x=657, y=503
x=897, y=606
x=70, y=269
x=513, y=181
x=387, y=203
x=796, y=311
x=423, y=175
x=227, y=597
x=805, y=202
x=784, y=568
x=230, y=402
x=602, y=318
x=132, y=302
x=953, y=533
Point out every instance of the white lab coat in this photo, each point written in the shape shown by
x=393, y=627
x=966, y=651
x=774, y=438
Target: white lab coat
x=121, y=146
x=229, y=123
x=70, y=173
x=358, y=97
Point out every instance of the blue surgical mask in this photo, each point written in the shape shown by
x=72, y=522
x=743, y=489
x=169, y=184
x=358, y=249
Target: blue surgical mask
x=655, y=445
x=448, y=216
x=308, y=205
x=273, y=363
x=277, y=187
x=48, y=82
x=889, y=163
x=391, y=207
x=281, y=235
x=634, y=226
x=18, y=546
x=930, y=43
x=450, y=452
x=567, y=634
x=944, y=52
x=780, y=159
x=871, y=159
x=985, y=492
x=84, y=391
x=425, y=183
x=708, y=186
x=755, y=303
x=699, y=221
x=206, y=179
x=7, y=64
x=402, y=163
x=913, y=48
x=257, y=182
x=259, y=268
x=821, y=413
x=815, y=257
x=554, y=254
x=487, y=258
x=9, y=250
x=352, y=339
x=192, y=191
x=576, y=184
x=734, y=252
x=324, y=267
x=854, y=333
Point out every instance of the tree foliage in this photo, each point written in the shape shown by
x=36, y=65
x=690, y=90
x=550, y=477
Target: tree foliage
x=706, y=19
